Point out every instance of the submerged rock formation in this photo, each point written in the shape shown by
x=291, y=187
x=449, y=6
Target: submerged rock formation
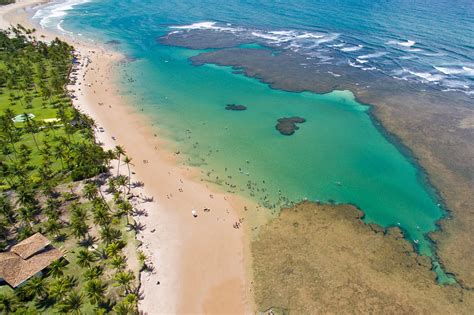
x=235, y=107
x=113, y=42
x=319, y=259
x=287, y=126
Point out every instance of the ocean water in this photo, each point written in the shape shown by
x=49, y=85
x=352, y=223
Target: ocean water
x=338, y=154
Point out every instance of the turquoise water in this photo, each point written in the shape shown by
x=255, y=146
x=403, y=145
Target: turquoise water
x=337, y=155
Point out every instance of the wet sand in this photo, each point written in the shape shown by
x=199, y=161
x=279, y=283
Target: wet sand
x=200, y=263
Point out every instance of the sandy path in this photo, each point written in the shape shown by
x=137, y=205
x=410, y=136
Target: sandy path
x=201, y=263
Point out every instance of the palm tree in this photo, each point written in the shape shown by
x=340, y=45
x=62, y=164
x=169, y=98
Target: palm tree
x=78, y=213
x=119, y=151
x=93, y=272
x=101, y=215
x=131, y=299
x=31, y=127
x=85, y=258
x=59, y=154
x=8, y=128
x=56, y=268
x=7, y=303
x=6, y=209
x=109, y=156
x=53, y=207
x=109, y=234
x=36, y=287
x=123, y=308
x=53, y=226
x=79, y=229
x=59, y=289
x=121, y=181
x=26, y=195
x=113, y=248
x=124, y=279
x=95, y=291
x=27, y=215
x=118, y=262
x=127, y=208
x=71, y=281
x=72, y=303
x=90, y=190
x=128, y=161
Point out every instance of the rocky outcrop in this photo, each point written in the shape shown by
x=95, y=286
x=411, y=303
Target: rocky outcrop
x=287, y=126
x=235, y=107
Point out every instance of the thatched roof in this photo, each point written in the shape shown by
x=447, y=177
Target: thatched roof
x=26, y=259
x=30, y=246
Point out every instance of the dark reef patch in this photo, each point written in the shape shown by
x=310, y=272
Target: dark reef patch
x=235, y=107
x=315, y=259
x=287, y=126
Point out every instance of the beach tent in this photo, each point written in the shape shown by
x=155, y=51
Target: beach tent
x=22, y=118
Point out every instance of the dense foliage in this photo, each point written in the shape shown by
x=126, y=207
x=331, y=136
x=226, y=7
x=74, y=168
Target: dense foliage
x=52, y=174
x=3, y=2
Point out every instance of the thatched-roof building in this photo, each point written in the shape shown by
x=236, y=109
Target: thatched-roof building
x=26, y=259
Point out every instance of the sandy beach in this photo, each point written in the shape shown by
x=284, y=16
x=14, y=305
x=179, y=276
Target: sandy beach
x=201, y=263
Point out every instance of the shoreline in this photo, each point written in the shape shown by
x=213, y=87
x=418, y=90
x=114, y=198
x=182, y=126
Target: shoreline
x=202, y=264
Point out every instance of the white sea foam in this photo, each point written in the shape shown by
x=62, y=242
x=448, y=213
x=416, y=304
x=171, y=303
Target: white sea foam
x=290, y=39
x=361, y=60
x=353, y=64
x=208, y=25
x=351, y=48
x=325, y=47
x=296, y=40
x=465, y=71
x=430, y=77
x=61, y=29
x=374, y=55
x=456, y=84
x=53, y=15
x=408, y=43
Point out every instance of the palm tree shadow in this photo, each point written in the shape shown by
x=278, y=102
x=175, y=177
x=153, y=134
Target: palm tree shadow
x=88, y=241
x=136, y=226
x=62, y=237
x=107, y=305
x=45, y=303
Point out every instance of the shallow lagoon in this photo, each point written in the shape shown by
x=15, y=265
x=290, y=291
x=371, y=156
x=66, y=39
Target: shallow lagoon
x=337, y=155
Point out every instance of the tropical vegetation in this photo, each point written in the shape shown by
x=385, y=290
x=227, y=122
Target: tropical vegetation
x=55, y=179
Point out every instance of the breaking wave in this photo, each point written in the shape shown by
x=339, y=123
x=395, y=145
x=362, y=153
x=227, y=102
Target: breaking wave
x=52, y=15
x=392, y=57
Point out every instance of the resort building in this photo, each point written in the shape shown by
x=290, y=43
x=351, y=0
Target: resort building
x=27, y=259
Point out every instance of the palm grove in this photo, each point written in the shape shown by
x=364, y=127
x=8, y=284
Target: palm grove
x=52, y=171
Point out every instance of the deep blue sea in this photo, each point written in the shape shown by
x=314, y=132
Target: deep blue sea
x=425, y=40
x=338, y=154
